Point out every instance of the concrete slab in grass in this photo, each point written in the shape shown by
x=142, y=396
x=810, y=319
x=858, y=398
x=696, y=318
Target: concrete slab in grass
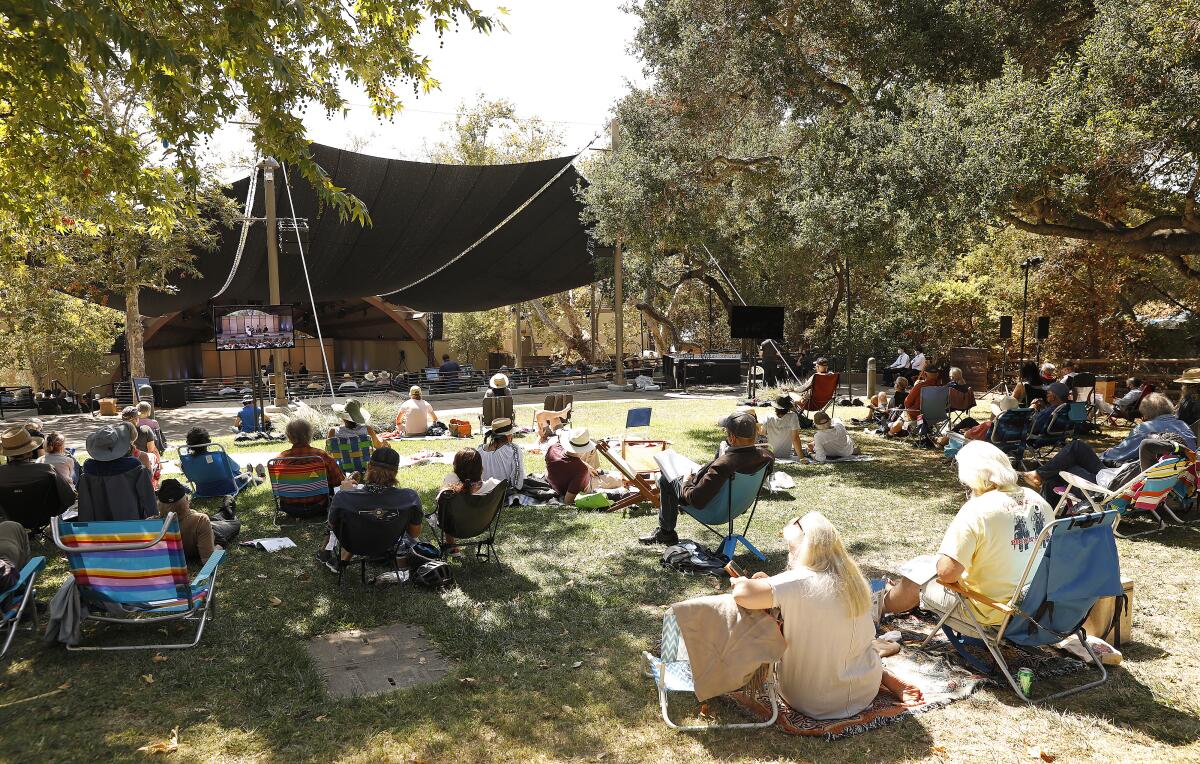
x=375, y=661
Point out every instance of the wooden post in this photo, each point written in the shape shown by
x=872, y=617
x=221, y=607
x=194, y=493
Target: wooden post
x=269, y=166
x=595, y=322
x=517, y=360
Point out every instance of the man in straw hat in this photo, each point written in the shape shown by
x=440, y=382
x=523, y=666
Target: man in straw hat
x=1188, y=408
x=21, y=448
x=742, y=456
x=566, y=470
x=498, y=386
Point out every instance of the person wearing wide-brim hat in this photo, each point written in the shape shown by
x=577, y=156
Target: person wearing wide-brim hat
x=20, y=448
x=502, y=459
x=355, y=422
x=115, y=484
x=566, y=471
x=830, y=441
x=498, y=386
x=1188, y=408
x=783, y=430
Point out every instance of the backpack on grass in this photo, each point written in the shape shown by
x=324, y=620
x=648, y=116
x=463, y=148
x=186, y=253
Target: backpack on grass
x=690, y=558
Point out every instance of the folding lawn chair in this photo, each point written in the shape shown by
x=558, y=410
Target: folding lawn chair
x=740, y=496
x=1078, y=566
x=16, y=599
x=351, y=453
x=472, y=520
x=369, y=535
x=491, y=409
x=1010, y=434
x=1083, y=390
x=1130, y=414
x=935, y=406
x=558, y=402
x=299, y=486
x=672, y=672
x=1168, y=469
x=646, y=490
x=643, y=447
x=822, y=394
x=960, y=405
x=1058, y=431
x=206, y=468
x=31, y=504
x=137, y=568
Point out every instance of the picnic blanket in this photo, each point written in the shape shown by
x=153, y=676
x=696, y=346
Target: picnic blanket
x=841, y=460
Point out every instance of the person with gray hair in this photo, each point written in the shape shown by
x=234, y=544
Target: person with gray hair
x=987, y=546
x=1078, y=458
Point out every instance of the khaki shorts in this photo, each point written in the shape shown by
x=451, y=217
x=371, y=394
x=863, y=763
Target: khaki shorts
x=934, y=597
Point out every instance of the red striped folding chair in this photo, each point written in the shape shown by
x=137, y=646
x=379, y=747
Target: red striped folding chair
x=299, y=486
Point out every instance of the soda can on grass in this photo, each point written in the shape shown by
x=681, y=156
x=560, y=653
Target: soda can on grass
x=1025, y=680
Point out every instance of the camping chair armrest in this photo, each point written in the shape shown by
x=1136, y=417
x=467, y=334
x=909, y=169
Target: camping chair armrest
x=963, y=591
x=210, y=567
x=111, y=547
x=1082, y=483
x=33, y=567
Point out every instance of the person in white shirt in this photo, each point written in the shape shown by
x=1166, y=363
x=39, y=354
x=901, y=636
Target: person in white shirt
x=830, y=441
x=783, y=430
x=415, y=414
x=58, y=458
x=919, y=361
x=899, y=366
x=502, y=459
x=348, y=384
x=831, y=668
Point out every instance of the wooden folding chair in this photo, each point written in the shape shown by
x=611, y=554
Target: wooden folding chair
x=646, y=491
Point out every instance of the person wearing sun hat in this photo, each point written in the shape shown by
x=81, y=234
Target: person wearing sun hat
x=783, y=430
x=830, y=441
x=502, y=459
x=742, y=456
x=498, y=386
x=115, y=485
x=1188, y=408
x=415, y=414
x=20, y=448
x=356, y=422
x=566, y=471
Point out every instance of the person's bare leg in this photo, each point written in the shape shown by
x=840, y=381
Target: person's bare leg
x=902, y=596
x=909, y=694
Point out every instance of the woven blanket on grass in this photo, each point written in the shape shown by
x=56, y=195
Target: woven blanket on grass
x=938, y=670
x=841, y=460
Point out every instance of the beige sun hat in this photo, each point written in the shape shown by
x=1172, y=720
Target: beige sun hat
x=499, y=381
x=1004, y=403
x=1190, y=377
x=577, y=441
x=17, y=440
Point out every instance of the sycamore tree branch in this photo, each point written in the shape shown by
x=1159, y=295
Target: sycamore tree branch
x=1162, y=234
x=653, y=314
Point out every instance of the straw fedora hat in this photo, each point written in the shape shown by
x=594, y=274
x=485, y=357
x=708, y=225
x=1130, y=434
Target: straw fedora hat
x=1190, y=377
x=499, y=381
x=16, y=441
x=577, y=441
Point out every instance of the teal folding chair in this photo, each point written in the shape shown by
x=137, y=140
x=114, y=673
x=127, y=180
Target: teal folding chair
x=133, y=572
x=672, y=672
x=740, y=496
x=16, y=599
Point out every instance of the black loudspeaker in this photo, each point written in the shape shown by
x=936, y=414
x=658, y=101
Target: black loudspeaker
x=1043, y=330
x=1006, y=327
x=170, y=395
x=435, y=326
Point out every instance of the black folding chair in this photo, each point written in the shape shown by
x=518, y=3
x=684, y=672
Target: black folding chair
x=369, y=535
x=472, y=520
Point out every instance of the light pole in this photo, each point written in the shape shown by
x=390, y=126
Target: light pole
x=1027, y=265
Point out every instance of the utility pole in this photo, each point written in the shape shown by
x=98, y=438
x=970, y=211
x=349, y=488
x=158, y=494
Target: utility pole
x=268, y=166
x=595, y=322
x=517, y=336
x=614, y=129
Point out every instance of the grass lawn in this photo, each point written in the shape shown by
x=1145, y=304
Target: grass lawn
x=576, y=588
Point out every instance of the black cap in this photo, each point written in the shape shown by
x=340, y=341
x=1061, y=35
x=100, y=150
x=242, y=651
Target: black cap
x=783, y=403
x=386, y=457
x=171, y=491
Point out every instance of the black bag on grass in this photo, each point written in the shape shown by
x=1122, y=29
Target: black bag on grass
x=690, y=558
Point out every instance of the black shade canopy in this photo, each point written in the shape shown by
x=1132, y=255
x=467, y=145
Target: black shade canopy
x=423, y=217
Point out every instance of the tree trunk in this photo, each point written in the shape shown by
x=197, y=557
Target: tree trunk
x=572, y=343
x=133, y=334
x=581, y=346
x=834, y=307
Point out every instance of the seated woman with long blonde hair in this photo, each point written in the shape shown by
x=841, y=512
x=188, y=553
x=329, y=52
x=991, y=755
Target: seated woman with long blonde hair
x=831, y=668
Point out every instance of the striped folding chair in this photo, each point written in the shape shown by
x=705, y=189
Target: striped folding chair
x=352, y=453
x=299, y=486
x=136, y=568
x=1168, y=470
x=15, y=599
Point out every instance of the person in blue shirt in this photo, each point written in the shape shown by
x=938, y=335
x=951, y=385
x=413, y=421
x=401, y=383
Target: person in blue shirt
x=1056, y=395
x=449, y=366
x=247, y=417
x=1078, y=458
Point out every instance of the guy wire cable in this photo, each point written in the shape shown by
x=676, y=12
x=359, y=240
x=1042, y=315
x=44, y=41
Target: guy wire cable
x=304, y=265
x=246, y=221
x=499, y=225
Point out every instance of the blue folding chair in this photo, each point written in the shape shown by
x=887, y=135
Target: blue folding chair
x=1058, y=431
x=1078, y=566
x=15, y=599
x=639, y=417
x=1010, y=433
x=740, y=495
x=210, y=471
